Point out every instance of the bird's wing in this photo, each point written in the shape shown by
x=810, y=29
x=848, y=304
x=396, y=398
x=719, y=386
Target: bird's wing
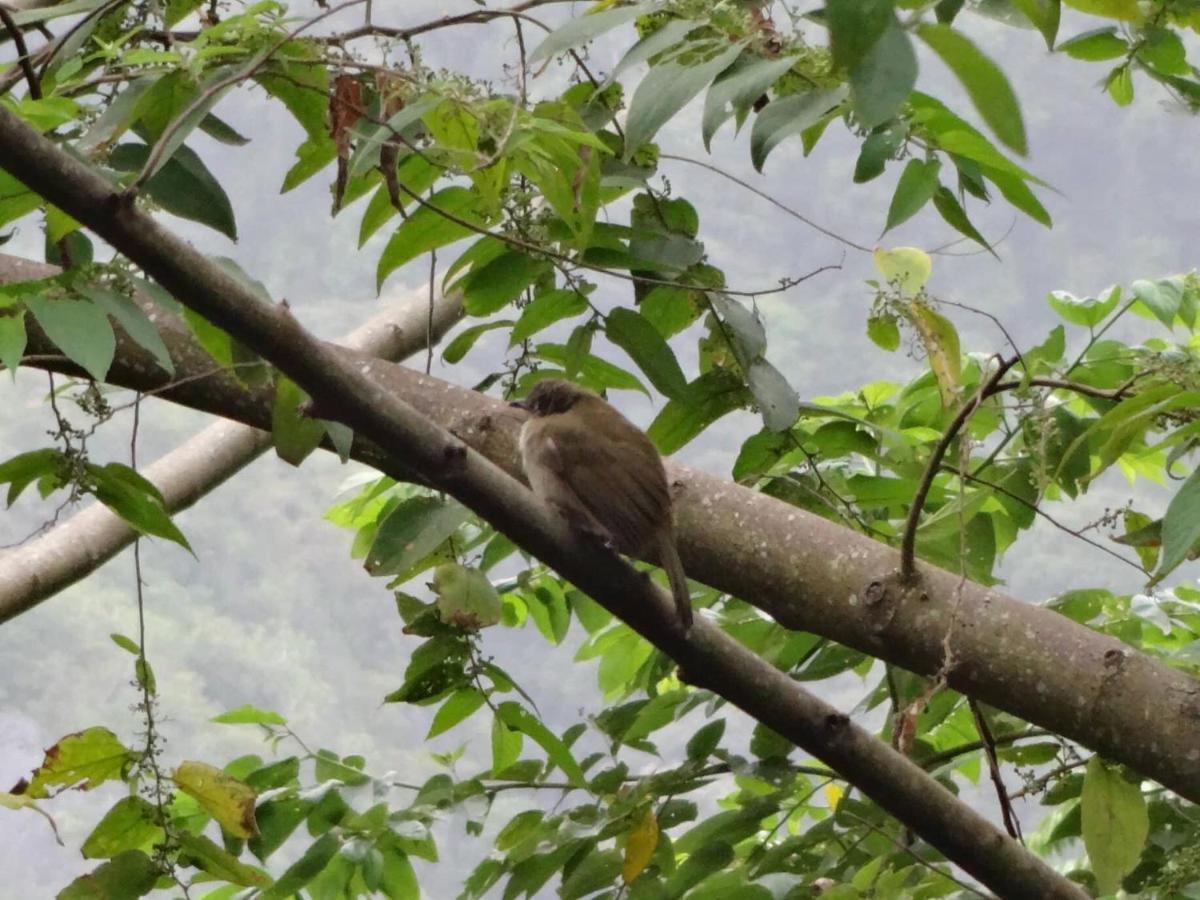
x=616, y=474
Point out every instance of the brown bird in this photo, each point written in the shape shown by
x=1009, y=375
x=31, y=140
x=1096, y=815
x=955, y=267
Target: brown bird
x=603, y=475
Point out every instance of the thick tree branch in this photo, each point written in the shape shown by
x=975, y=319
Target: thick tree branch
x=705, y=653
x=77, y=547
x=807, y=572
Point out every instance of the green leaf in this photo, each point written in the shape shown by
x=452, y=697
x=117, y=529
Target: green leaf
x=598, y=869
x=1120, y=85
x=414, y=172
x=1096, y=45
x=955, y=216
x=581, y=29
x=135, y=323
x=915, y=188
x=458, y=706
x=465, y=339
x=1044, y=15
x=465, y=597
x=201, y=852
x=295, y=435
x=880, y=146
x=218, y=129
x=398, y=881
x=126, y=876
x=1162, y=298
x=1181, y=525
x=135, y=500
x=777, y=400
x=506, y=746
x=544, y=310
x=668, y=87
x=128, y=825
x=984, y=81
x=428, y=229
x=787, y=116
x=1017, y=192
x=702, y=744
x=711, y=396
x=488, y=288
x=249, y=715
x=634, y=334
x=1085, y=311
x=80, y=329
x=652, y=45
x=519, y=719
x=310, y=864
x=855, y=27
x=738, y=87
x=183, y=186
x=882, y=81
x=26, y=468
x=12, y=339
x=1115, y=824
x=412, y=531
x=702, y=863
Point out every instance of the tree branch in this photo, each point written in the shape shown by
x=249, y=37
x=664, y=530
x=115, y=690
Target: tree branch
x=77, y=547
x=705, y=653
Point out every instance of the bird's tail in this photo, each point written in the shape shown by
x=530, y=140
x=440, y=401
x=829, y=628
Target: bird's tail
x=668, y=558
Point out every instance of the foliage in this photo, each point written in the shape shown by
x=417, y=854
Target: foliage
x=554, y=196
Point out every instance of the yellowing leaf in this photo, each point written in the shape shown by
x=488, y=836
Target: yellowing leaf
x=833, y=795
x=906, y=267
x=87, y=758
x=941, y=346
x=226, y=799
x=639, y=845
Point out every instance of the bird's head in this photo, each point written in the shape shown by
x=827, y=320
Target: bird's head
x=552, y=396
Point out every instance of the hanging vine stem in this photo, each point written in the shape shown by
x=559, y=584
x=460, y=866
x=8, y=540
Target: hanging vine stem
x=909, y=542
x=160, y=793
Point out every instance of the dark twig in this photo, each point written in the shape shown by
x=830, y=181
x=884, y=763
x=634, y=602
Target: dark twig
x=1011, y=823
x=14, y=31
x=909, y=543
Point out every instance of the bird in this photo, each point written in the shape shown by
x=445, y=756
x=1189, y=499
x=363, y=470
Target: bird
x=603, y=475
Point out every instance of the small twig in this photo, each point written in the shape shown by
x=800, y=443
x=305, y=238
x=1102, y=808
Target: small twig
x=429, y=320
x=909, y=543
x=1042, y=780
x=18, y=39
x=1086, y=390
x=1011, y=823
x=1037, y=510
x=764, y=195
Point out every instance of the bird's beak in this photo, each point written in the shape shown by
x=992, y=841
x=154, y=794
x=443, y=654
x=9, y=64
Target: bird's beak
x=519, y=404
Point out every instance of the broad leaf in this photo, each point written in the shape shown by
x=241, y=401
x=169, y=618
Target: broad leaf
x=428, y=229
x=985, y=83
x=669, y=86
x=916, y=187
x=183, y=186
x=80, y=329
x=787, y=116
x=1115, y=824
x=634, y=334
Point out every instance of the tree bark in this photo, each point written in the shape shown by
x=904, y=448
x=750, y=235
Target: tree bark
x=343, y=386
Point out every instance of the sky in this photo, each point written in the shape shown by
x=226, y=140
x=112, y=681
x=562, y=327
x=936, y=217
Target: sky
x=273, y=611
